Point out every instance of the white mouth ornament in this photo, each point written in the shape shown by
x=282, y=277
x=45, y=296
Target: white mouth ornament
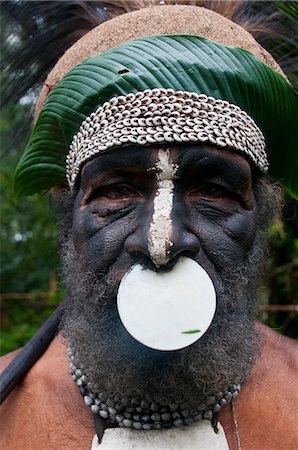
x=167, y=310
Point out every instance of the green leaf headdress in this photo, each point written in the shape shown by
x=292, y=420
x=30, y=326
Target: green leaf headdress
x=172, y=63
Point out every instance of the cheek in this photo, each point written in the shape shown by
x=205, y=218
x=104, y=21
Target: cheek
x=227, y=241
x=100, y=241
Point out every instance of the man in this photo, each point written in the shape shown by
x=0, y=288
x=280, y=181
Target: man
x=167, y=140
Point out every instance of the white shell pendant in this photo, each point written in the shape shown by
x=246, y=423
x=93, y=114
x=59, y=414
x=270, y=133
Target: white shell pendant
x=199, y=436
x=167, y=310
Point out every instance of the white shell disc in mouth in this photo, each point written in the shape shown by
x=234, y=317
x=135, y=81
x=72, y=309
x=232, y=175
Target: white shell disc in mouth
x=167, y=310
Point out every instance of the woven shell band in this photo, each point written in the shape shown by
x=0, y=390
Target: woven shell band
x=161, y=116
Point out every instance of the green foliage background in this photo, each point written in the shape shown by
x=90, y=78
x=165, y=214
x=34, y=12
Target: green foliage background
x=29, y=257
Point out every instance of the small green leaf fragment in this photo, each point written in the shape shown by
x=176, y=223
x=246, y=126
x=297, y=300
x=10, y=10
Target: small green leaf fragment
x=191, y=331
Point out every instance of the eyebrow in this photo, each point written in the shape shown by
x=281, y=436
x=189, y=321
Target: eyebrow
x=215, y=165
x=135, y=159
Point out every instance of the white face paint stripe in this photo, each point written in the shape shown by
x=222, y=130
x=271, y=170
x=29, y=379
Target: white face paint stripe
x=160, y=231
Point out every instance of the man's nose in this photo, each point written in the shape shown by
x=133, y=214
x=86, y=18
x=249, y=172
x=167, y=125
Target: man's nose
x=163, y=240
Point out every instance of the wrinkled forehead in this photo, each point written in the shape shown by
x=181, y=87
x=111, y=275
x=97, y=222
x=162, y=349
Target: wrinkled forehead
x=187, y=159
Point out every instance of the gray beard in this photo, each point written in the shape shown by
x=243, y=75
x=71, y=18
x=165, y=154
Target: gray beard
x=117, y=365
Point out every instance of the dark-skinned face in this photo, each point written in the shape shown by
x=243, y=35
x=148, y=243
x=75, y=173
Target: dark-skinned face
x=151, y=205
x=212, y=217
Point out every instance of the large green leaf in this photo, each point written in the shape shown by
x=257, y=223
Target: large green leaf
x=180, y=62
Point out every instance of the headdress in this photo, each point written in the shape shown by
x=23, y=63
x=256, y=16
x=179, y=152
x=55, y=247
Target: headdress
x=162, y=74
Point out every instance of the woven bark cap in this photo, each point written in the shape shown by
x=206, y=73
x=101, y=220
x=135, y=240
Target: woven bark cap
x=173, y=19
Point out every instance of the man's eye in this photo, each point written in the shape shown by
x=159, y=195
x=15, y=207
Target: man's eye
x=209, y=190
x=117, y=192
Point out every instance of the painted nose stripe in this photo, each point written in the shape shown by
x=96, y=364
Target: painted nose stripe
x=159, y=241
x=160, y=231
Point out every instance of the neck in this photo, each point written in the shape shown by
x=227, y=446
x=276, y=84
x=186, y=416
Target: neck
x=144, y=414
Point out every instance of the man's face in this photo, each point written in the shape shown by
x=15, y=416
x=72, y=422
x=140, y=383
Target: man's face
x=211, y=217
x=151, y=205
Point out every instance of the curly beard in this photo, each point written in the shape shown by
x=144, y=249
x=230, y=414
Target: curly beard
x=115, y=363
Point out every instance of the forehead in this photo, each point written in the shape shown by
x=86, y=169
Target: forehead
x=189, y=158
